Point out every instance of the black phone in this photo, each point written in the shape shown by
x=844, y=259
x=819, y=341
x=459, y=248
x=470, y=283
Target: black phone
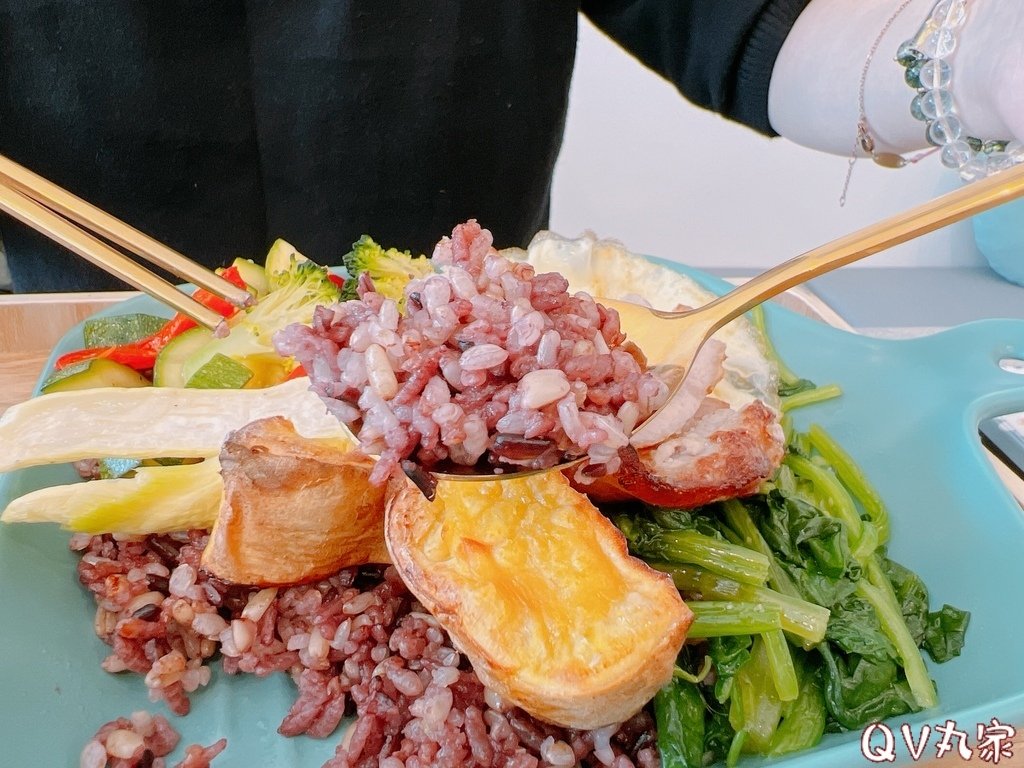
x=1004, y=437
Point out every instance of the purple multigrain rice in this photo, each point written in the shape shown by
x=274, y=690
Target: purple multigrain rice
x=487, y=354
x=356, y=644
x=142, y=741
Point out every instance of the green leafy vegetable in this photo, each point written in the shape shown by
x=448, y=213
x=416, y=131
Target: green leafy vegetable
x=755, y=707
x=798, y=617
x=790, y=388
x=728, y=655
x=852, y=478
x=854, y=628
x=719, y=735
x=780, y=663
x=807, y=397
x=946, y=633
x=809, y=626
x=803, y=718
x=912, y=595
x=860, y=690
x=679, y=714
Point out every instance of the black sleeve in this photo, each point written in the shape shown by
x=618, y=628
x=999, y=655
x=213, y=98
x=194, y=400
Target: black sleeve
x=718, y=53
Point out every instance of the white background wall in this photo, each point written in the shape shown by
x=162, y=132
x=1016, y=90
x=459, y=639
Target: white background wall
x=642, y=165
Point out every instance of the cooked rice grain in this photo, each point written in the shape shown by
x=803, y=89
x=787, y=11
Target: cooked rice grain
x=490, y=360
x=356, y=644
x=142, y=741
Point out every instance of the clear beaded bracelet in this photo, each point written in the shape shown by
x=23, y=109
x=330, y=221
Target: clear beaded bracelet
x=929, y=73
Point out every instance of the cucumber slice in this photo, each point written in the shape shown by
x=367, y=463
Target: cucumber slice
x=114, y=468
x=220, y=372
x=63, y=373
x=168, y=370
x=253, y=274
x=95, y=373
x=120, y=329
x=279, y=260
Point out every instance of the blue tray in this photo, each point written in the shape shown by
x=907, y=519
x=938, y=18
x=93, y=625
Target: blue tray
x=908, y=415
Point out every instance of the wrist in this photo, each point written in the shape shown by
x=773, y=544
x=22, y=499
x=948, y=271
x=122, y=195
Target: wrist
x=984, y=88
x=886, y=95
x=934, y=72
x=816, y=82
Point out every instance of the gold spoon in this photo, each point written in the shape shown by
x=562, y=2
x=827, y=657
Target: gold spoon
x=674, y=338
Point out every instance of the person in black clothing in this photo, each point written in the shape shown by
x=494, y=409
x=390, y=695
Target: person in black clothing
x=216, y=127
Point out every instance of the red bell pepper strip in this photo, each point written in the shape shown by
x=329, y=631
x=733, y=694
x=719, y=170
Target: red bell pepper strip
x=132, y=355
x=141, y=354
x=215, y=302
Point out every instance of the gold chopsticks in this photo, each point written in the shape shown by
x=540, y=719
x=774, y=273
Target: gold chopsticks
x=68, y=220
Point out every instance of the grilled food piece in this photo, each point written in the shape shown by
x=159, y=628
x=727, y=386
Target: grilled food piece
x=724, y=454
x=537, y=588
x=294, y=509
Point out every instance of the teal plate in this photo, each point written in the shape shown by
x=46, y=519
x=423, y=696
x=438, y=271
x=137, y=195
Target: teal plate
x=908, y=415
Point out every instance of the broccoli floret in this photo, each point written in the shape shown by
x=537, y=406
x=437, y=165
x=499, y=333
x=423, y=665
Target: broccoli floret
x=390, y=270
x=300, y=288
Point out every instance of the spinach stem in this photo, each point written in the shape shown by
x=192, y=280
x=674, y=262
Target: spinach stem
x=723, y=618
x=810, y=397
x=878, y=591
x=780, y=664
x=839, y=503
x=853, y=478
x=715, y=555
x=806, y=620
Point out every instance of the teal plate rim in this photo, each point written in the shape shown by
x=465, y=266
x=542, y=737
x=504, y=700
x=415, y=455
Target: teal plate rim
x=908, y=415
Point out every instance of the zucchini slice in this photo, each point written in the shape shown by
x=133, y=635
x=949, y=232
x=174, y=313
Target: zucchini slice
x=94, y=373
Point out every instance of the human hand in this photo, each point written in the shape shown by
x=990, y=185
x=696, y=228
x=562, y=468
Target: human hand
x=814, y=90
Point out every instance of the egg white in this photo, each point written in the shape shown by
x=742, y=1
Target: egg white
x=607, y=268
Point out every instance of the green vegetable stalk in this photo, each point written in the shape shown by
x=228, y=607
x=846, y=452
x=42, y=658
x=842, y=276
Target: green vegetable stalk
x=851, y=476
x=807, y=623
x=651, y=541
x=801, y=618
x=717, y=618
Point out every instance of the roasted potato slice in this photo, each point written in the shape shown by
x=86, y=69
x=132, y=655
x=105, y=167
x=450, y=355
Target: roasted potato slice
x=537, y=588
x=294, y=509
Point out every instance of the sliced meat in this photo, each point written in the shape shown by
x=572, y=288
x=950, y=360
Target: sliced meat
x=723, y=454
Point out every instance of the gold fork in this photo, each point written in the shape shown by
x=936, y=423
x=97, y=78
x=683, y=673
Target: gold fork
x=675, y=338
